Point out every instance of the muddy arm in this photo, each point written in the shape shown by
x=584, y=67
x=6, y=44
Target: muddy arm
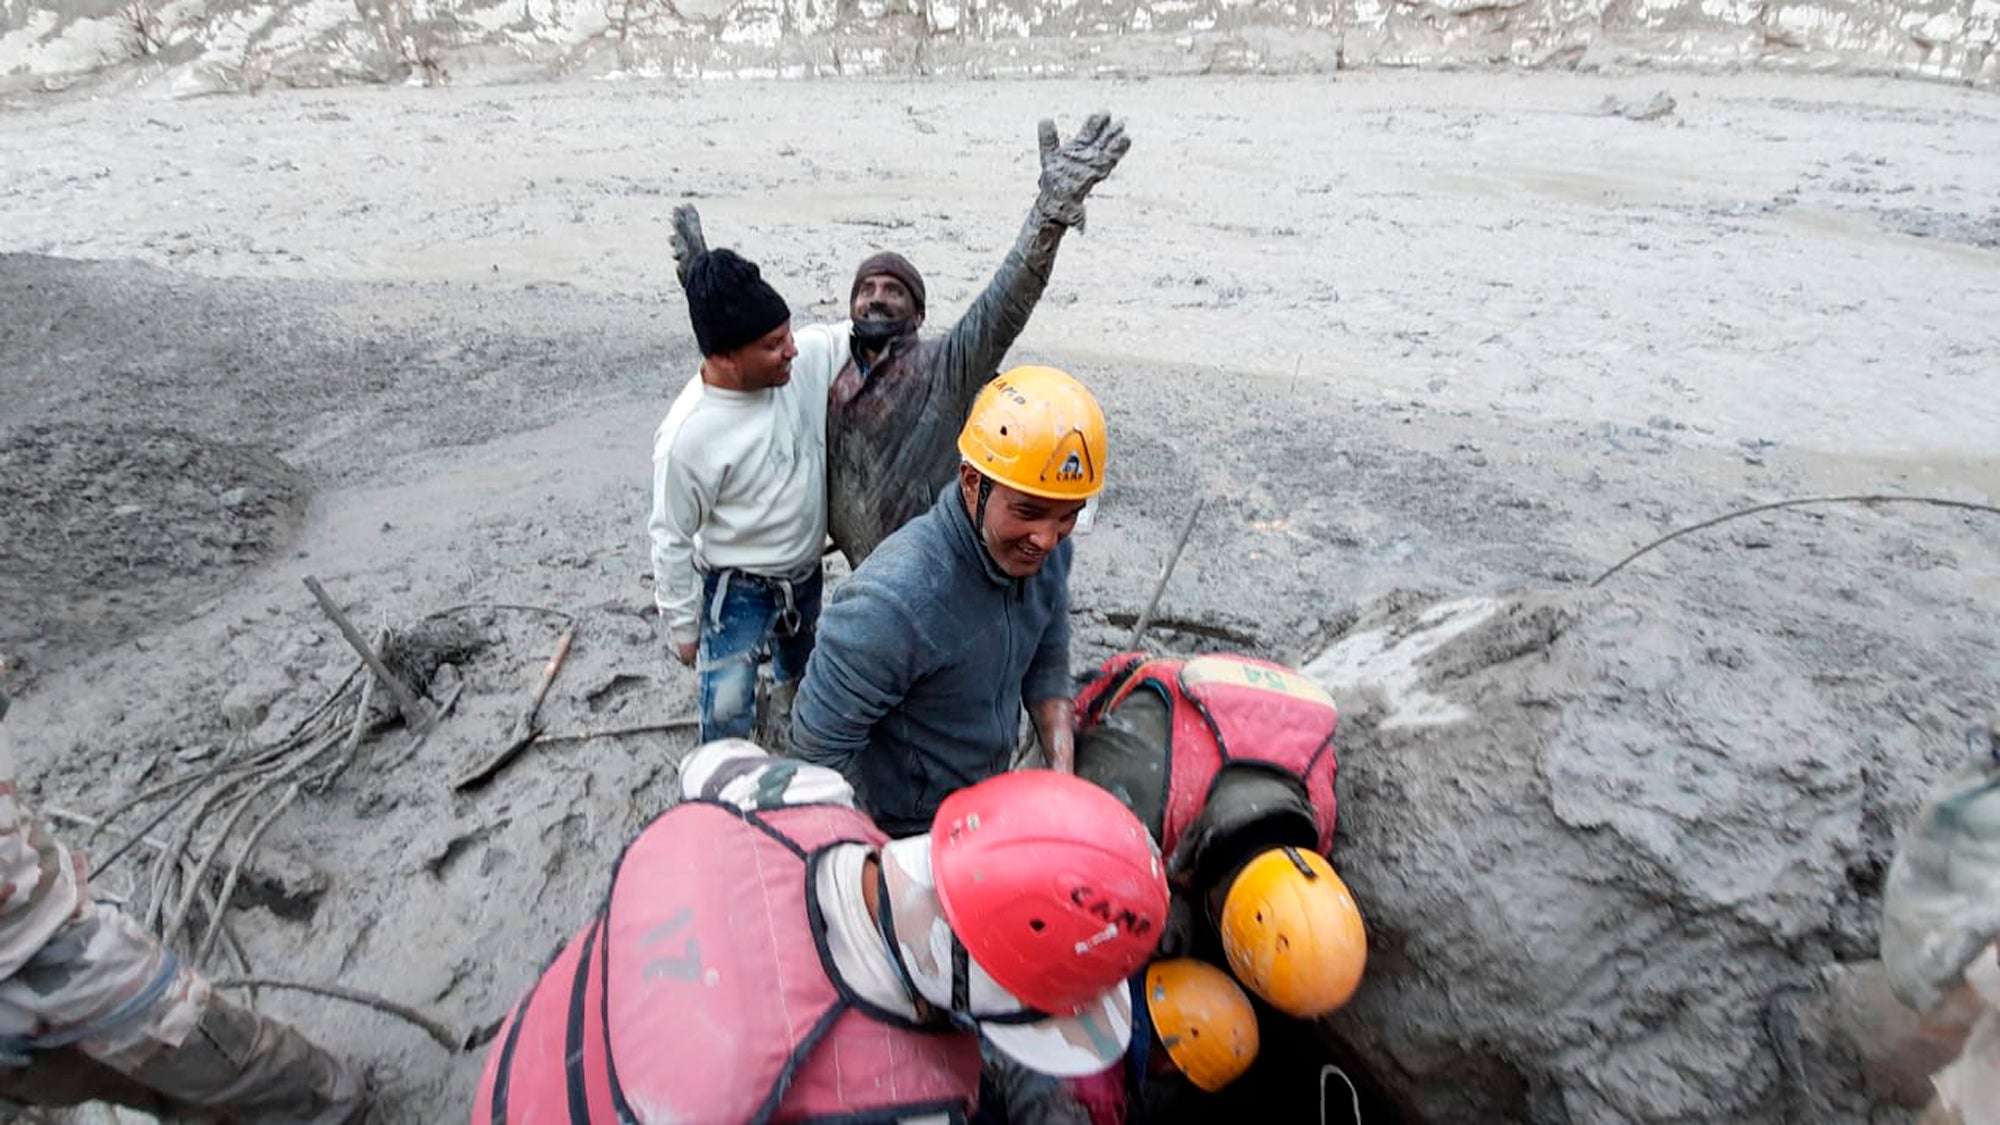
x=689, y=242
x=973, y=350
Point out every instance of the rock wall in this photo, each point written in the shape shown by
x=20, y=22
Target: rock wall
x=196, y=46
x=1620, y=869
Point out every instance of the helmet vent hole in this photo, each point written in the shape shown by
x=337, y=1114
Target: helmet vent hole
x=1037, y=925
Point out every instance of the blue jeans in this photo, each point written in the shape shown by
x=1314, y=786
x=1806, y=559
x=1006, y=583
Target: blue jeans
x=748, y=619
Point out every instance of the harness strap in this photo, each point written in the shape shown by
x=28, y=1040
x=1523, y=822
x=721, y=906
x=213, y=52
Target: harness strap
x=887, y=928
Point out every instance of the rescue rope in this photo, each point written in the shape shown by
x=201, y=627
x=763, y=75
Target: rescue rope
x=444, y=1036
x=1793, y=503
x=1352, y=1093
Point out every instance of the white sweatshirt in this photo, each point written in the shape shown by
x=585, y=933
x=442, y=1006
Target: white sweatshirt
x=739, y=480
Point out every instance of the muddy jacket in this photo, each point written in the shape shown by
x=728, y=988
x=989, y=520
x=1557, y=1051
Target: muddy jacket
x=925, y=658
x=892, y=429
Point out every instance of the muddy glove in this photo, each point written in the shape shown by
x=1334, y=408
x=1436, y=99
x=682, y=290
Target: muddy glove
x=1070, y=170
x=689, y=242
x=1942, y=905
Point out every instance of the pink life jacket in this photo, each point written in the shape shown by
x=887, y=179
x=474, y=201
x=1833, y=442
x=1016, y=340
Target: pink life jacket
x=723, y=1007
x=1225, y=710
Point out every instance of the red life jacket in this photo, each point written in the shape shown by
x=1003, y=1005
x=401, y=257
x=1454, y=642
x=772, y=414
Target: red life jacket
x=722, y=1007
x=1226, y=709
x=1102, y=1095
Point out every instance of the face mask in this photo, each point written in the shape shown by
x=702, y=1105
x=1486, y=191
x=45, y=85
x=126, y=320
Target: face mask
x=873, y=334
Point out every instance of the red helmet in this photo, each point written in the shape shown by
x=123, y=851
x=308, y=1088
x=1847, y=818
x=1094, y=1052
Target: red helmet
x=1053, y=886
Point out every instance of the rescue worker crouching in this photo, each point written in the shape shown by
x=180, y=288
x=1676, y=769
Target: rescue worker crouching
x=93, y=1008
x=1230, y=762
x=1199, y=1036
x=766, y=953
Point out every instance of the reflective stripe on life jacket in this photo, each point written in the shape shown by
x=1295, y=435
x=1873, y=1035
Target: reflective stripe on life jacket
x=1223, y=709
x=703, y=995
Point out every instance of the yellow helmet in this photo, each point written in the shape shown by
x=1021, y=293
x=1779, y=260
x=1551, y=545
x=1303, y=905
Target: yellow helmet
x=1038, y=431
x=1292, y=932
x=1203, y=1019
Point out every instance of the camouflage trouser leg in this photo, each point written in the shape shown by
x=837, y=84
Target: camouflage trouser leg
x=244, y=1067
x=203, y=1055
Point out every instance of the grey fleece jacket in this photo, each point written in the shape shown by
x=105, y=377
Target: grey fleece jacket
x=925, y=658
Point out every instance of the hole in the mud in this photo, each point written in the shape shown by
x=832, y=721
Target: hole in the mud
x=1295, y=1063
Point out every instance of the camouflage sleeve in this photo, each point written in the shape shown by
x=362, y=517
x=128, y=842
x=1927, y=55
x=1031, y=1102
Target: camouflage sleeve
x=743, y=774
x=1972, y=1082
x=42, y=882
x=1941, y=905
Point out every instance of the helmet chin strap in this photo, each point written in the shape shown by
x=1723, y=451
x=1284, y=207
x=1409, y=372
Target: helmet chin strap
x=979, y=511
x=959, y=1015
x=886, y=925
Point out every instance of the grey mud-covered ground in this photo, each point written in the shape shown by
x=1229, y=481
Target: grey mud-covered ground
x=1414, y=339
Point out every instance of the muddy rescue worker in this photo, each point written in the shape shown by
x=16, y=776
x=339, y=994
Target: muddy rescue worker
x=765, y=953
x=1941, y=931
x=900, y=399
x=92, y=1008
x=1229, y=762
x=929, y=652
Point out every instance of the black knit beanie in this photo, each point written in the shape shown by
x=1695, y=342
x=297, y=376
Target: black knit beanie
x=730, y=303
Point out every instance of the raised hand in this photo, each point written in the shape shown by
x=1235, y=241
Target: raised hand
x=689, y=242
x=1070, y=170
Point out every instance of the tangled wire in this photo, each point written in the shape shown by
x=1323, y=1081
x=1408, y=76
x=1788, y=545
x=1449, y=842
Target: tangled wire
x=184, y=888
